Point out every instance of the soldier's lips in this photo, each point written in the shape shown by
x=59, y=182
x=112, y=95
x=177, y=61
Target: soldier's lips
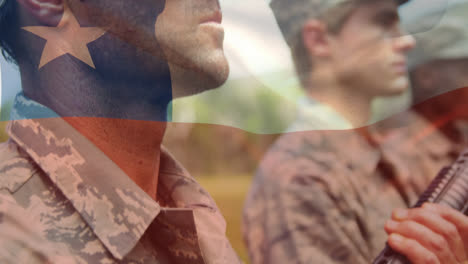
x=216, y=17
x=212, y=22
x=212, y=26
x=400, y=67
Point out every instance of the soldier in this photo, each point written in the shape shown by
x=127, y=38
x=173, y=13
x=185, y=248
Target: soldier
x=438, y=74
x=325, y=196
x=83, y=177
x=438, y=68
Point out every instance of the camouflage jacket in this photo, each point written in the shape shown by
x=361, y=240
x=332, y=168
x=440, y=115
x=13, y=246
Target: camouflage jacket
x=323, y=197
x=63, y=201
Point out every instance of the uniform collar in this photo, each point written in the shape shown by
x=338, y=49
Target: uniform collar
x=115, y=208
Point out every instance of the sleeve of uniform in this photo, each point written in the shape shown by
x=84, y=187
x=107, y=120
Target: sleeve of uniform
x=211, y=228
x=303, y=222
x=20, y=241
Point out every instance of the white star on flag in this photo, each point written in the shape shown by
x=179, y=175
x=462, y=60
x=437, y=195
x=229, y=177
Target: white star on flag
x=67, y=38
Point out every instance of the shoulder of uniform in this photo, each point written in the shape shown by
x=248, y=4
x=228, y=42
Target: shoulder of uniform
x=16, y=167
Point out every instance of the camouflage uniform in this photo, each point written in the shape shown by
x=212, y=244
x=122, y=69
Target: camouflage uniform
x=324, y=196
x=62, y=200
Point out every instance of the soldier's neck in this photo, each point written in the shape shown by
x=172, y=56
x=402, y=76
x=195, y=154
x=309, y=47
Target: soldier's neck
x=74, y=89
x=135, y=146
x=108, y=114
x=351, y=105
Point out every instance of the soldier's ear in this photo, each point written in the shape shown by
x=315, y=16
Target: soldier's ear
x=47, y=12
x=315, y=38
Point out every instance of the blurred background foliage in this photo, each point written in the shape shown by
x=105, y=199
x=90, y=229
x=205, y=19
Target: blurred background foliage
x=246, y=103
x=5, y=109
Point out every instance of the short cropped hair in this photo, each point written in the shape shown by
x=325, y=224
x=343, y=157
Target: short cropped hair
x=291, y=15
x=8, y=30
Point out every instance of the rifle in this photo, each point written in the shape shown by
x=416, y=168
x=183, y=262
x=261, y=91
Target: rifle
x=449, y=188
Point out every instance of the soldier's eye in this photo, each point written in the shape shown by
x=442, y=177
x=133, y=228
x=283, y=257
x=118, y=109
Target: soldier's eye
x=387, y=19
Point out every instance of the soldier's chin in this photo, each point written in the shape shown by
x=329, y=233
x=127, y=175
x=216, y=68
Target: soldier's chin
x=186, y=82
x=400, y=86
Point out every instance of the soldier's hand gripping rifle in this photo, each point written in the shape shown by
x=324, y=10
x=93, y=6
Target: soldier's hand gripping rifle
x=449, y=188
